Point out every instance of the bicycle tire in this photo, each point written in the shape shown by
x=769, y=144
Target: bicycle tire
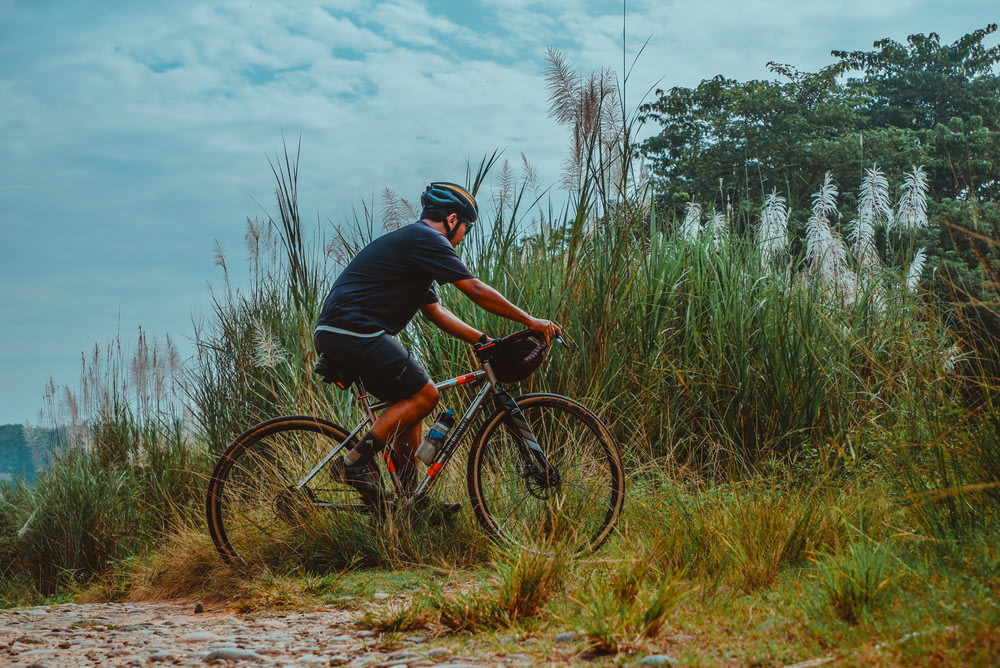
x=577, y=513
x=255, y=513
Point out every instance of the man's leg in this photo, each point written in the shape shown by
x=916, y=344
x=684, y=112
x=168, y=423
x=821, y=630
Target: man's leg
x=397, y=422
x=403, y=449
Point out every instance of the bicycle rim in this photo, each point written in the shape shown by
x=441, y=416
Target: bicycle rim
x=577, y=513
x=256, y=509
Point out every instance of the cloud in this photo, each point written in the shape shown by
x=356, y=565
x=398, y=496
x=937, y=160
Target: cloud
x=137, y=132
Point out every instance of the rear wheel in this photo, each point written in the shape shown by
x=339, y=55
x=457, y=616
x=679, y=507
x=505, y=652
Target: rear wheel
x=257, y=509
x=574, y=504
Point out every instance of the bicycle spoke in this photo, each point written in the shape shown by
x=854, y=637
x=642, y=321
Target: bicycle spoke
x=528, y=510
x=258, y=509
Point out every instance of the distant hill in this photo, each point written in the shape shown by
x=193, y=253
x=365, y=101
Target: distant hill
x=21, y=456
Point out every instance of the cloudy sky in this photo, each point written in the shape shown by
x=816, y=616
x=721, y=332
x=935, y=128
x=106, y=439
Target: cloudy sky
x=135, y=134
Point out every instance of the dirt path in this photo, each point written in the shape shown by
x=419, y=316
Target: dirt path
x=169, y=634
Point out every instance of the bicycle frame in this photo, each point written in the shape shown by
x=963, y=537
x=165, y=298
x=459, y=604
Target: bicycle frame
x=447, y=450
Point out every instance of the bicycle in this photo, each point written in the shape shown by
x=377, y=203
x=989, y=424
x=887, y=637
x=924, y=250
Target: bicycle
x=542, y=468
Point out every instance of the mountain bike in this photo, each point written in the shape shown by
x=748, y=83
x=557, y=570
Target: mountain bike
x=542, y=469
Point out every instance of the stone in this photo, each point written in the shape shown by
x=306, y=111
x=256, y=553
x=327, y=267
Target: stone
x=567, y=636
x=159, y=657
x=199, y=636
x=232, y=654
x=438, y=653
x=656, y=660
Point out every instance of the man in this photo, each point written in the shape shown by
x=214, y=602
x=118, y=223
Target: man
x=374, y=298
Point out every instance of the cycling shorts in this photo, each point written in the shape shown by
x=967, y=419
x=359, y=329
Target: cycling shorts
x=386, y=368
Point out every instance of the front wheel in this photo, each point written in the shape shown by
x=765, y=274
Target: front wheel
x=258, y=508
x=574, y=504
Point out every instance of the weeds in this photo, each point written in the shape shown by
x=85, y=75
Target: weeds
x=766, y=399
x=855, y=582
x=626, y=605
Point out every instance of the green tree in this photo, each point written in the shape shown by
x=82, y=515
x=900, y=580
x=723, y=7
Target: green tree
x=728, y=143
x=948, y=94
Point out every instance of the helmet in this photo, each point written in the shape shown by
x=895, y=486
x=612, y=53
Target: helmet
x=450, y=198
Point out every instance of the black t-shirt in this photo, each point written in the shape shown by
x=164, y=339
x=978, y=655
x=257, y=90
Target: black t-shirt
x=384, y=286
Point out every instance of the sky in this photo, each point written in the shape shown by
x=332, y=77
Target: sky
x=135, y=134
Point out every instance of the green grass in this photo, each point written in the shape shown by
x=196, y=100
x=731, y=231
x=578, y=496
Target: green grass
x=807, y=478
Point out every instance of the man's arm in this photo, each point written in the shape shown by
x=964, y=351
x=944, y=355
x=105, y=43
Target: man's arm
x=450, y=323
x=489, y=299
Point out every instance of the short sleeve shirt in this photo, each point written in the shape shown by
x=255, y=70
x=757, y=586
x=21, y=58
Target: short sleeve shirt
x=385, y=285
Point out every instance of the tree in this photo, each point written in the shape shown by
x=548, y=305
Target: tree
x=727, y=144
x=730, y=143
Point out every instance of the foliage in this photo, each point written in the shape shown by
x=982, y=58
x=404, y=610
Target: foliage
x=24, y=450
x=767, y=399
x=856, y=581
x=624, y=605
x=726, y=144
x=916, y=104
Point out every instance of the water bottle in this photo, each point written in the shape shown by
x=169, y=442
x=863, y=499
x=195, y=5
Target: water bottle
x=435, y=437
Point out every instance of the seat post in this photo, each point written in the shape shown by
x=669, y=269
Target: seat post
x=364, y=399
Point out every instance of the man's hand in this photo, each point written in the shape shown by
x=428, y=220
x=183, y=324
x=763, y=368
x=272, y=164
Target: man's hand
x=547, y=328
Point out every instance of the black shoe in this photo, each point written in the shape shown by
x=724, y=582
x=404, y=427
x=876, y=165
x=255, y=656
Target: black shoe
x=363, y=478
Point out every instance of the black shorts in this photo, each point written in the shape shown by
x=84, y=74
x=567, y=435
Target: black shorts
x=386, y=368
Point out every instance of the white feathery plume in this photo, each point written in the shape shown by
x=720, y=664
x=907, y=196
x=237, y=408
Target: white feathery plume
x=718, y=226
x=268, y=351
x=952, y=357
x=691, y=226
x=911, y=211
x=916, y=268
x=874, y=207
x=825, y=249
x=772, y=235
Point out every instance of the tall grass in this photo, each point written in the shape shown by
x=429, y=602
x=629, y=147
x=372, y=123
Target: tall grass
x=127, y=475
x=744, y=382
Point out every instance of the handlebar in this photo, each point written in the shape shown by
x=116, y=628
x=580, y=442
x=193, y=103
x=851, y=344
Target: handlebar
x=540, y=348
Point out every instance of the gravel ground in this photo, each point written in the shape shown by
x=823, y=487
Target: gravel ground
x=154, y=634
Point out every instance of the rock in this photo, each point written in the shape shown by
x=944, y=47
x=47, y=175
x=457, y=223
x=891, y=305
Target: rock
x=656, y=660
x=232, y=654
x=159, y=657
x=199, y=608
x=199, y=636
x=404, y=655
x=568, y=636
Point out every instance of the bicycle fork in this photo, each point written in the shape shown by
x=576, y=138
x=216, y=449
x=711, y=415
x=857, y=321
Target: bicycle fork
x=537, y=467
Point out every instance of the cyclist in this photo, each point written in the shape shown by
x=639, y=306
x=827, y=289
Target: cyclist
x=375, y=297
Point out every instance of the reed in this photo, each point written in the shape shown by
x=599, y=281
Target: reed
x=747, y=382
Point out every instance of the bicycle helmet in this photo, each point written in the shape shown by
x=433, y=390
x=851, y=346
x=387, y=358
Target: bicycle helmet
x=446, y=198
